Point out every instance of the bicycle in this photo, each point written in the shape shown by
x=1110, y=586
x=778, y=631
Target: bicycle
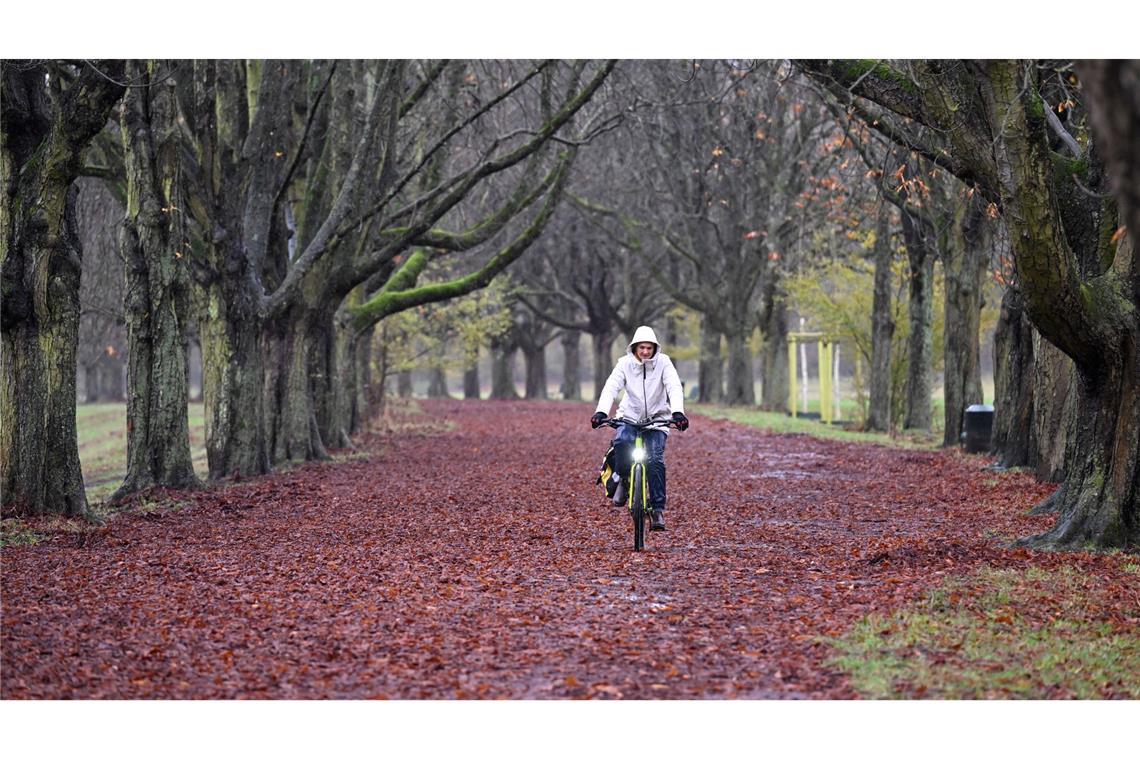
x=637, y=485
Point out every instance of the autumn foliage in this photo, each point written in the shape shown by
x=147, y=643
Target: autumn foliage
x=469, y=554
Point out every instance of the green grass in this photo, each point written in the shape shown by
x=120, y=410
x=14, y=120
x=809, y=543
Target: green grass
x=158, y=506
x=779, y=422
x=1004, y=634
x=13, y=532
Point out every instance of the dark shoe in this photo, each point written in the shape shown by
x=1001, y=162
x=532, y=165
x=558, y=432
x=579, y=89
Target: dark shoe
x=658, y=522
x=619, y=494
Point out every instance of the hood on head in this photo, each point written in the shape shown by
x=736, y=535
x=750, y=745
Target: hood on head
x=644, y=334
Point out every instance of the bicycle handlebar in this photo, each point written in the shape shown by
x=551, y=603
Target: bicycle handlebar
x=615, y=423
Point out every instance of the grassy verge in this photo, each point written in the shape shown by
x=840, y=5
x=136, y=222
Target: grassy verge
x=1031, y=634
x=102, y=437
x=779, y=422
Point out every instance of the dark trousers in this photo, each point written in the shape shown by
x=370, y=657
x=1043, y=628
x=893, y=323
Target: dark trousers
x=654, y=460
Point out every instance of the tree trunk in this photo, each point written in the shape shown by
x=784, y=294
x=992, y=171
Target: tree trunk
x=603, y=360
x=155, y=298
x=437, y=384
x=882, y=331
x=535, y=361
x=571, y=388
x=919, y=411
x=1054, y=399
x=91, y=386
x=502, y=369
x=964, y=271
x=774, y=382
x=158, y=426
x=1014, y=361
x=238, y=141
x=113, y=382
x=366, y=401
x=348, y=402
x=41, y=471
x=296, y=383
x=739, y=388
x=43, y=135
x=710, y=369
x=232, y=377
x=404, y=383
x=1082, y=290
x=471, y=389
x=325, y=381
x=1097, y=503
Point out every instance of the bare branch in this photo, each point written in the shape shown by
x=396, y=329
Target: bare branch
x=1059, y=128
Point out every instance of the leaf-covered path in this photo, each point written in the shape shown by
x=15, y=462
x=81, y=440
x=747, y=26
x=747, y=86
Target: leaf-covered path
x=478, y=560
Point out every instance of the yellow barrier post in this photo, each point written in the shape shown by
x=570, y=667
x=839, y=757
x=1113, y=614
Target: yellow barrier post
x=792, y=375
x=825, y=381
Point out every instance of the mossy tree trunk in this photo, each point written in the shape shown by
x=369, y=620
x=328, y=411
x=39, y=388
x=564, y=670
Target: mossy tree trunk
x=353, y=403
x=236, y=131
x=155, y=252
x=50, y=115
x=882, y=329
x=296, y=376
x=232, y=377
x=306, y=386
x=1014, y=361
x=920, y=350
x=964, y=271
x=1082, y=294
x=1054, y=409
x=365, y=405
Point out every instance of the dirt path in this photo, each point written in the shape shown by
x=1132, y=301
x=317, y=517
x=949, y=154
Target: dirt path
x=483, y=562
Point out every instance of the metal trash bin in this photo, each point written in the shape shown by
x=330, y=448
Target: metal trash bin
x=979, y=428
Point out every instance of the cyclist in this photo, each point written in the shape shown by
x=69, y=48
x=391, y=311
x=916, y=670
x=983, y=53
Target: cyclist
x=652, y=392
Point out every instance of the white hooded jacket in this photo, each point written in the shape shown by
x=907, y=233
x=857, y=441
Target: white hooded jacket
x=652, y=389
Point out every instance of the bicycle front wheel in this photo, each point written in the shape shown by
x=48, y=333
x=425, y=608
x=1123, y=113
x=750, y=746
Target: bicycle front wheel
x=637, y=506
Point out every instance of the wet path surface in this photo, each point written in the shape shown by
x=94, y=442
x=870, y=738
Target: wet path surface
x=482, y=562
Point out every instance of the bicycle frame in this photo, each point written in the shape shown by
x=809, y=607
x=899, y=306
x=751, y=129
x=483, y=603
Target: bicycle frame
x=637, y=496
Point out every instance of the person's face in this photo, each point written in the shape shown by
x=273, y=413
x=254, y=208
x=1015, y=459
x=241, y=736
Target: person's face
x=644, y=351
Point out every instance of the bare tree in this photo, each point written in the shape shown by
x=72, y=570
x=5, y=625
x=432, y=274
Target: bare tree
x=731, y=151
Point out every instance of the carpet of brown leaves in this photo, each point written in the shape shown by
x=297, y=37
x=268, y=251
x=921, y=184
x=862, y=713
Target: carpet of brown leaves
x=482, y=562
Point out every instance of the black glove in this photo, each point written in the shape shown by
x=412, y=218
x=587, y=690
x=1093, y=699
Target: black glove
x=597, y=420
x=681, y=420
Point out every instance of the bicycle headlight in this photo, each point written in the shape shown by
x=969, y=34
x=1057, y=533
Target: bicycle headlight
x=639, y=455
